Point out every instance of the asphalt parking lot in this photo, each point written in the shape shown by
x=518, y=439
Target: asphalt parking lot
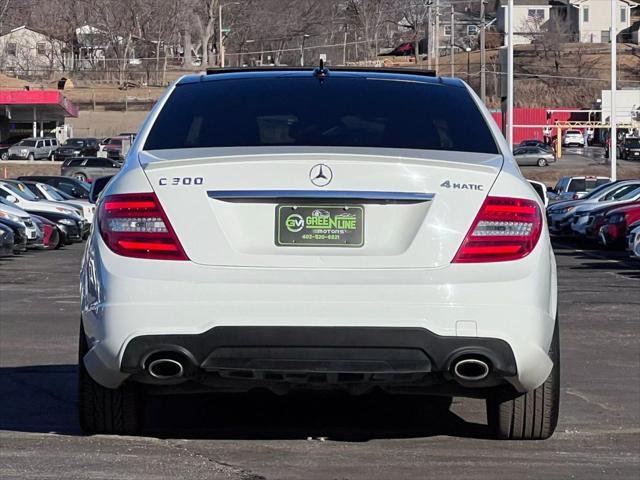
x=319, y=436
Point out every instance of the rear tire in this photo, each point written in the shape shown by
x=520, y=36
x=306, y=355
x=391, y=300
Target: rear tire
x=542, y=162
x=105, y=410
x=532, y=415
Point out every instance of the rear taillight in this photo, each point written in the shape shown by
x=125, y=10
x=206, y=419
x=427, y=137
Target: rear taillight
x=504, y=229
x=134, y=225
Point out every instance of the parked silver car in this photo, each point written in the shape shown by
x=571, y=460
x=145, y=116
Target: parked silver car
x=87, y=168
x=533, y=156
x=33, y=148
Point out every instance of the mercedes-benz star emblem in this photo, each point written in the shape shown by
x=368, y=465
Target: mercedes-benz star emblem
x=320, y=175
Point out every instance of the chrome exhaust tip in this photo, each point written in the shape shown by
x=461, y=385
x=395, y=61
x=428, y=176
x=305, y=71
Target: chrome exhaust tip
x=165, y=369
x=471, y=369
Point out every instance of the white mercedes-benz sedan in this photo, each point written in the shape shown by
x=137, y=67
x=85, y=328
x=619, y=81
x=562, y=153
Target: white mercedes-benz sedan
x=344, y=229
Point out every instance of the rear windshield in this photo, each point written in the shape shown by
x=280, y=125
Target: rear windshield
x=74, y=142
x=341, y=112
x=585, y=185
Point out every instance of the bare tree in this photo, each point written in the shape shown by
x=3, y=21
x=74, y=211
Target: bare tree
x=368, y=16
x=414, y=16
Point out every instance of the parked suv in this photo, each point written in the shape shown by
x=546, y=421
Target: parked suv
x=33, y=148
x=77, y=147
x=630, y=148
x=114, y=148
x=6, y=144
x=86, y=169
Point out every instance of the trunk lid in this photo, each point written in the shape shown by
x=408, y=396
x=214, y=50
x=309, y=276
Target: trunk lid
x=417, y=205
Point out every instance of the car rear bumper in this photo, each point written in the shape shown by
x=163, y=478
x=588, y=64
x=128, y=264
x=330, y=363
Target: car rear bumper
x=133, y=307
x=282, y=357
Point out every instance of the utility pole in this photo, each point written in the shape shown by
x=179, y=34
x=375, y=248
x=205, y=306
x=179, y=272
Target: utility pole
x=452, y=40
x=220, y=37
x=344, y=46
x=483, y=27
x=429, y=42
x=510, y=76
x=613, y=120
x=220, y=47
x=437, y=37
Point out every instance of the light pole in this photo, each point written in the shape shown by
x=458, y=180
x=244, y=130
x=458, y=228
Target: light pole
x=468, y=50
x=510, y=75
x=221, y=46
x=483, y=27
x=452, y=40
x=304, y=37
x=614, y=86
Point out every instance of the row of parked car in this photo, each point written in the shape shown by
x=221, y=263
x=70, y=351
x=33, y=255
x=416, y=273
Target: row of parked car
x=48, y=148
x=605, y=212
x=43, y=212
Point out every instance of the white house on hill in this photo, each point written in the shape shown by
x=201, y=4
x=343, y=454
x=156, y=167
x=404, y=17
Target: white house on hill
x=586, y=21
x=26, y=51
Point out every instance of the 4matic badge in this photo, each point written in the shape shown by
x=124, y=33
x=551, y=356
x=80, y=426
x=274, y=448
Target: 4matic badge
x=462, y=186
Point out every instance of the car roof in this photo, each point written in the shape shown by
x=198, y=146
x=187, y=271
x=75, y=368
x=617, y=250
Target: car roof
x=415, y=75
x=35, y=177
x=576, y=177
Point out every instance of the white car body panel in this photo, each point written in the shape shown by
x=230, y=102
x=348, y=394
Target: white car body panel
x=403, y=276
x=42, y=205
x=84, y=206
x=243, y=232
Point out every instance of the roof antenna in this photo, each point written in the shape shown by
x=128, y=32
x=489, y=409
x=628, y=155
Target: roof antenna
x=322, y=71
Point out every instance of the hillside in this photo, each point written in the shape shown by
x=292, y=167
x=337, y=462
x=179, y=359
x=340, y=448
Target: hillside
x=586, y=68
